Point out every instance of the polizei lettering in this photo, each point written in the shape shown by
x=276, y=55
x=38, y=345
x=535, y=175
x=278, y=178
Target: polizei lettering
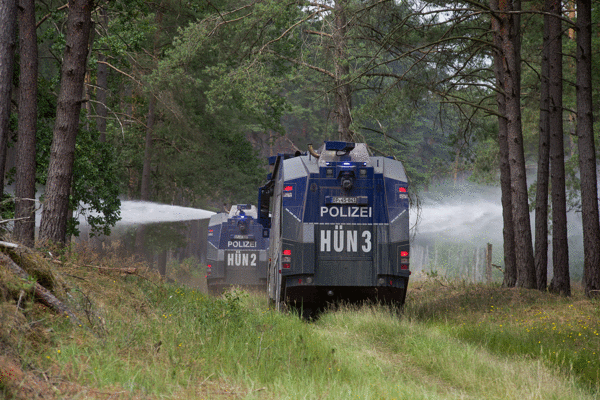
x=241, y=243
x=239, y=259
x=345, y=239
x=346, y=212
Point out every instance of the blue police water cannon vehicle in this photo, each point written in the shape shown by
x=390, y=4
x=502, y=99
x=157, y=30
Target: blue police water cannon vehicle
x=237, y=250
x=339, y=227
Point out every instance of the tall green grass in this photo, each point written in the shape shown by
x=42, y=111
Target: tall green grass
x=561, y=332
x=151, y=340
x=419, y=361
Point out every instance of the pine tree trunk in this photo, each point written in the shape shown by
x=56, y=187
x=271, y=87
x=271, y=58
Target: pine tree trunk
x=8, y=23
x=88, y=87
x=24, y=230
x=543, y=173
x=53, y=226
x=146, y=176
x=520, y=207
x=587, y=151
x=560, y=252
x=102, y=83
x=343, y=92
x=145, y=186
x=510, y=271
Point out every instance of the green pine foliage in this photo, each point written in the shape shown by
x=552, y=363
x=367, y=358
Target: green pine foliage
x=231, y=77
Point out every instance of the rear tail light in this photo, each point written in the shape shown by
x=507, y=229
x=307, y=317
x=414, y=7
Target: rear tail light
x=403, y=260
x=286, y=259
x=208, y=269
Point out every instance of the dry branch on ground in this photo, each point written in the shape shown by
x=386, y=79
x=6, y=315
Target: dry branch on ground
x=41, y=293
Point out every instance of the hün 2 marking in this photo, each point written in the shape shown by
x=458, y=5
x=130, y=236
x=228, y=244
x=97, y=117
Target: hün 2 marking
x=239, y=259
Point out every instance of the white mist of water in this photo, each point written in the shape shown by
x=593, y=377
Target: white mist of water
x=471, y=215
x=477, y=222
x=463, y=214
x=144, y=212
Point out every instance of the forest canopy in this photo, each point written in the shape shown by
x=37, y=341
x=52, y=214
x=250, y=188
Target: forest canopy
x=183, y=101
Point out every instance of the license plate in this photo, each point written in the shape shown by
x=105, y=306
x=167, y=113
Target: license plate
x=344, y=200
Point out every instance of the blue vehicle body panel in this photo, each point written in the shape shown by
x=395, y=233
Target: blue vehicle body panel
x=237, y=249
x=339, y=226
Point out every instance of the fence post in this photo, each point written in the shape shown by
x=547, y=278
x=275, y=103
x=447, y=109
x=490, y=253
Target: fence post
x=488, y=262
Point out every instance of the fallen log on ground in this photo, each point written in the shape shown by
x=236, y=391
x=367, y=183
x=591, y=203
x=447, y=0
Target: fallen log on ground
x=43, y=294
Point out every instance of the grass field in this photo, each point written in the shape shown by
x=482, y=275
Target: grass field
x=143, y=338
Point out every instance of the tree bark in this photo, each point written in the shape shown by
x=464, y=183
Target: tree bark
x=508, y=232
x=88, y=89
x=53, y=226
x=509, y=35
x=102, y=83
x=543, y=173
x=24, y=230
x=8, y=23
x=150, y=122
x=343, y=91
x=560, y=252
x=587, y=151
x=145, y=186
x=510, y=269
